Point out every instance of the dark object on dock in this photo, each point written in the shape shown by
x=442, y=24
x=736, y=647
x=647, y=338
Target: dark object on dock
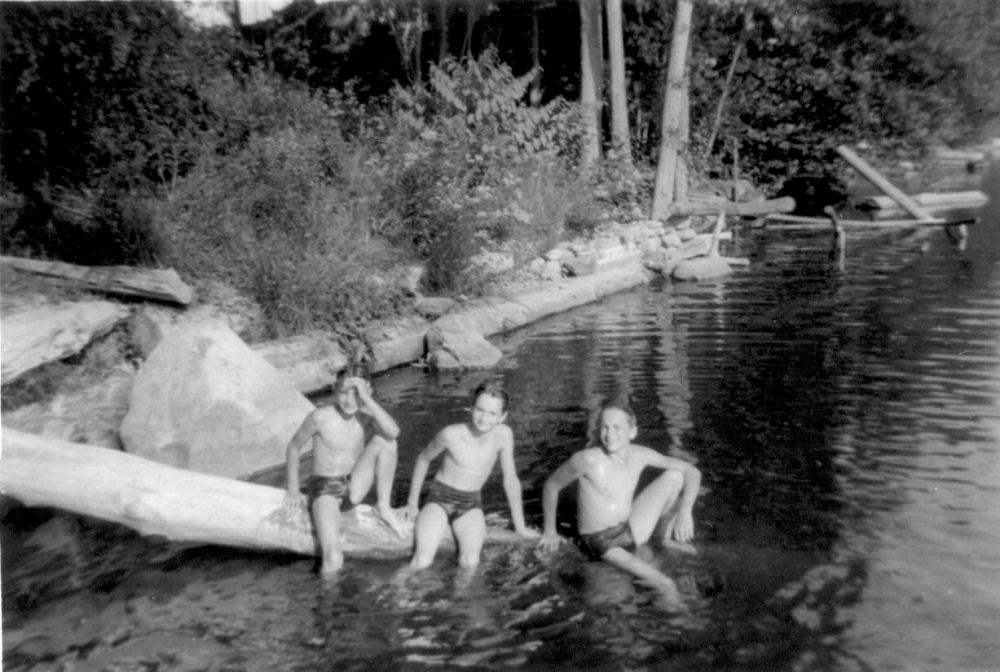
x=813, y=193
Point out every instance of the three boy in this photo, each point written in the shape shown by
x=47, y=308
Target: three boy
x=355, y=445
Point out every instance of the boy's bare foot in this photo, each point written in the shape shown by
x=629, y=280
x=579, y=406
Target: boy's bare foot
x=682, y=546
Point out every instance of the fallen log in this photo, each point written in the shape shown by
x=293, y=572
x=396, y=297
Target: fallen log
x=150, y=283
x=715, y=206
x=887, y=187
x=181, y=505
x=932, y=201
x=793, y=222
x=47, y=333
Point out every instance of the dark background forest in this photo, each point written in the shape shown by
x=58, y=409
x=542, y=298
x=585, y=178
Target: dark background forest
x=302, y=159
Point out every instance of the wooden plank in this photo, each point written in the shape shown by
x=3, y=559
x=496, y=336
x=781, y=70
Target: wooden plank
x=883, y=184
x=150, y=283
x=178, y=504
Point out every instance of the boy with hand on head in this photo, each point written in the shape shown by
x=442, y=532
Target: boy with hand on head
x=354, y=446
x=470, y=451
x=610, y=522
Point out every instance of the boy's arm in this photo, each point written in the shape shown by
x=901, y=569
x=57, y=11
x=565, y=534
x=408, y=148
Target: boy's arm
x=681, y=527
x=512, y=486
x=385, y=425
x=568, y=471
x=302, y=435
x=420, y=467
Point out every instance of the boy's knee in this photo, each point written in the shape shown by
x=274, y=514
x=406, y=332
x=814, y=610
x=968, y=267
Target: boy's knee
x=468, y=561
x=673, y=478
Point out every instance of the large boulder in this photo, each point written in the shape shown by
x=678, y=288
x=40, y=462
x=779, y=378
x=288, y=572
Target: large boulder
x=453, y=342
x=205, y=401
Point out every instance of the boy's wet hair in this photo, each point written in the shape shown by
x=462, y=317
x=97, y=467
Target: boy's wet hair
x=493, y=390
x=620, y=402
x=357, y=369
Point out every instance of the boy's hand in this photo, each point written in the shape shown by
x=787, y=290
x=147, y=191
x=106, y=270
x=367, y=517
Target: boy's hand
x=680, y=527
x=410, y=513
x=549, y=542
x=293, y=503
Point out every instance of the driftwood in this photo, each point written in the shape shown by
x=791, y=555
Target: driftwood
x=887, y=188
x=795, y=222
x=713, y=207
x=47, y=333
x=181, y=505
x=161, y=285
x=934, y=202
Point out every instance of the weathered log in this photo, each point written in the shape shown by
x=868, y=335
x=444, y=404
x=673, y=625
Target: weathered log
x=793, y=222
x=934, y=202
x=748, y=209
x=51, y=332
x=887, y=188
x=180, y=505
x=158, y=284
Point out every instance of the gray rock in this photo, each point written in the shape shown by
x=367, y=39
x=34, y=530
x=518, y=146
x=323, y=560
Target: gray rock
x=701, y=268
x=205, y=401
x=453, y=342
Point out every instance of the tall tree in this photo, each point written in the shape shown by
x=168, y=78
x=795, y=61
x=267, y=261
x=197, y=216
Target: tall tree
x=620, y=139
x=675, y=99
x=591, y=76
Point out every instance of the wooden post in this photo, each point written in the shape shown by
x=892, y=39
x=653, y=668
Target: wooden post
x=666, y=168
x=883, y=184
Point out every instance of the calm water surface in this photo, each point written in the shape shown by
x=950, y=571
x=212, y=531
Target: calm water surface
x=846, y=420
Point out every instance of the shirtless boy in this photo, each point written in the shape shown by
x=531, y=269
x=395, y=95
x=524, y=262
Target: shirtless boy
x=610, y=523
x=354, y=445
x=470, y=451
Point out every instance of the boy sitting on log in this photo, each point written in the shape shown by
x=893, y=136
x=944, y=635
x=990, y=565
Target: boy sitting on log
x=611, y=524
x=354, y=446
x=470, y=451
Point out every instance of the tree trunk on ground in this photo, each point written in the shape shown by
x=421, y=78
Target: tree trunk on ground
x=148, y=283
x=666, y=169
x=620, y=138
x=591, y=76
x=180, y=505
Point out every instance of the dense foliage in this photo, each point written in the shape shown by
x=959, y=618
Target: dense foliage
x=304, y=158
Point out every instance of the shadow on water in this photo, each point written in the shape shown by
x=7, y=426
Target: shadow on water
x=845, y=419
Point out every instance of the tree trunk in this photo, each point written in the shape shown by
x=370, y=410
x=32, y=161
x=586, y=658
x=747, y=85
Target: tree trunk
x=148, y=283
x=591, y=76
x=442, y=20
x=181, y=505
x=666, y=169
x=620, y=138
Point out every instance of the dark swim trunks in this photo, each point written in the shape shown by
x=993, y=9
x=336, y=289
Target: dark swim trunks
x=335, y=486
x=596, y=544
x=456, y=503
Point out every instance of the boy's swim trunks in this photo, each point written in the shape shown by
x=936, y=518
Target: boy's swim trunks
x=456, y=503
x=335, y=486
x=596, y=544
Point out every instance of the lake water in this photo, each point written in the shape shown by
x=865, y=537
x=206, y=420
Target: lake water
x=847, y=423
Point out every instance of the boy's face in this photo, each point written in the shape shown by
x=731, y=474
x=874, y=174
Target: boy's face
x=616, y=429
x=487, y=413
x=346, y=398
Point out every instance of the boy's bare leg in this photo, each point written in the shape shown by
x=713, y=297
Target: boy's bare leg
x=470, y=532
x=377, y=465
x=432, y=523
x=645, y=572
x=654, y=502
x=326, y=517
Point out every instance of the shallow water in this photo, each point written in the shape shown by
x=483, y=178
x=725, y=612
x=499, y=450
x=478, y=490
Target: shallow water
x=847, y=422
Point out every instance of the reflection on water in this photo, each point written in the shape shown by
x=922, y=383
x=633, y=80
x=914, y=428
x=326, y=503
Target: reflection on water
x=847, y=422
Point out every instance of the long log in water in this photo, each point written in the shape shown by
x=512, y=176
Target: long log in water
x=790, y=222
x=742, y=209
x=178, y=504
